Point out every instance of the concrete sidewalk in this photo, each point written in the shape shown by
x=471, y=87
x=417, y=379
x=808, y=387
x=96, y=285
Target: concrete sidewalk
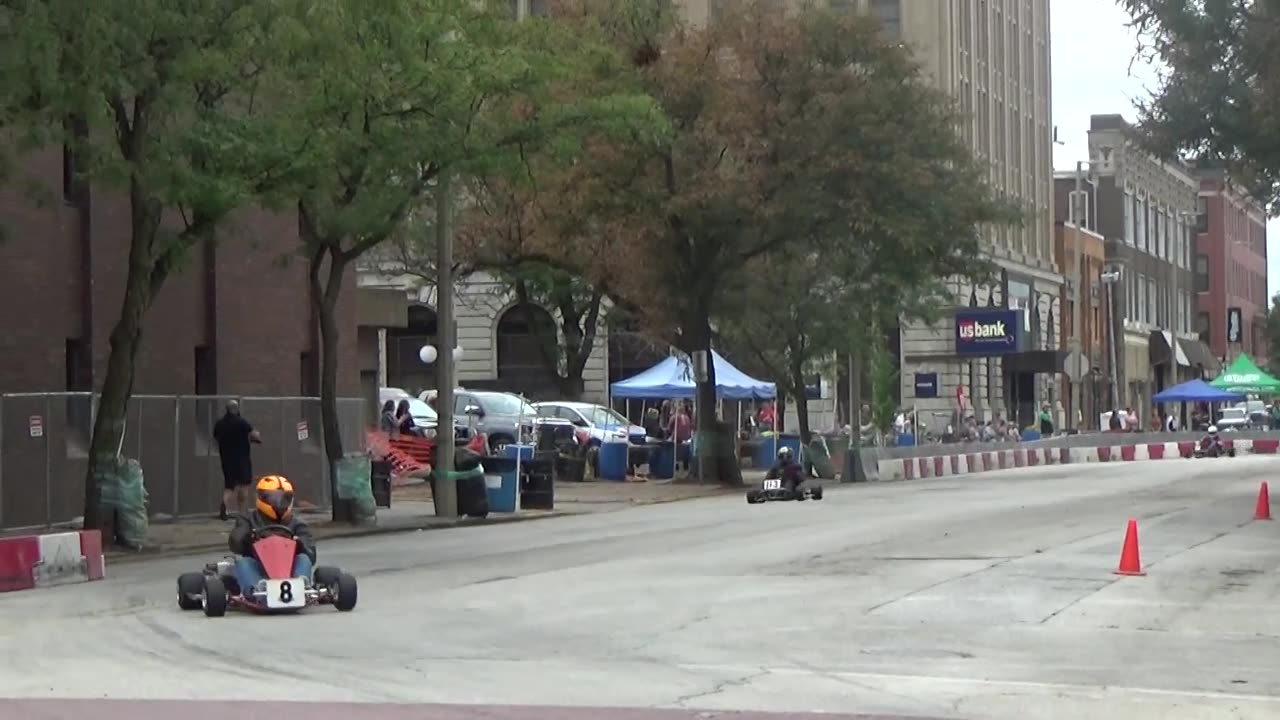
x=412, y=509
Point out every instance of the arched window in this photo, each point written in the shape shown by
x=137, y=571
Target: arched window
x=522, y=333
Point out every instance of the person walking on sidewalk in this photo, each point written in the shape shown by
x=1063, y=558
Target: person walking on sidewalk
x=234, y=435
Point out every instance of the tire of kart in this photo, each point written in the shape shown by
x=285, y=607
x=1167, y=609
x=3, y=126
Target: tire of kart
x=347, y=593
x=214, y=597
x=190, y=588
x=326, y=576
x=817, y=493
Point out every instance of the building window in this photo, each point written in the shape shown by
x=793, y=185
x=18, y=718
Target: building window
x=1202, y=273
x=1202, y=327
x=890, y=14
x=1128, y=219
x=1202, y=214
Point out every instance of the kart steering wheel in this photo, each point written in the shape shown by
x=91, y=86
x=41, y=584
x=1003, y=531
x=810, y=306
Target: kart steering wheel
x=273, y=529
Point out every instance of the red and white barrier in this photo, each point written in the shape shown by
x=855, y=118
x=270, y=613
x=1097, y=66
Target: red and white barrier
x=35, y=561
x=1016, y=457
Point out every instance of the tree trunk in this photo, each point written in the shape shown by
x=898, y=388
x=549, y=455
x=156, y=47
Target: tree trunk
x=802, y=402
x=716, y=459
x=572, y=388
x=325, y=297
x=142, y=281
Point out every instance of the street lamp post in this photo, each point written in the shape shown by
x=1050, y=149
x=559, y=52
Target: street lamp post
x=1110, y=278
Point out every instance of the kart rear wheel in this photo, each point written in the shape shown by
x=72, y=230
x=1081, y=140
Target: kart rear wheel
x=214, y=597
x=326, y=576
x=190, y=588
x=817, y=493
x=345, y=593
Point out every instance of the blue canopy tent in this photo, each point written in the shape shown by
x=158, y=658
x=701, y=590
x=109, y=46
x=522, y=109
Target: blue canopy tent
x=673, y=378
x=1196, y=391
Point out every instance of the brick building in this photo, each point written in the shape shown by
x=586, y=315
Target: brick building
x=234, y=320
x=1092, y=332
x=1230, y=269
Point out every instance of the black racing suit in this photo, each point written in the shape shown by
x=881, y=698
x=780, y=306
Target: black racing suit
x=251, y=523
x=789, y=471
x=1211, y=445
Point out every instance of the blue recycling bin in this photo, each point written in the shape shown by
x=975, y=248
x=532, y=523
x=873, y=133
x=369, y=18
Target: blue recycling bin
x=613, y=460
x=501, y=486
x=906, y=440
x=767, y=450
x=662, y=461
x=524, y=452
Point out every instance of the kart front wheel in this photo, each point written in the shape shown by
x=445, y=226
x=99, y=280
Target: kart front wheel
x=326, y=576
x=190, y=588
x=345, y=593
x=214, y=597
x=753, y=497
x=817, y=493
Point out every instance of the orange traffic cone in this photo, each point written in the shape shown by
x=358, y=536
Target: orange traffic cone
x=1263, y=509
x=1130, y=564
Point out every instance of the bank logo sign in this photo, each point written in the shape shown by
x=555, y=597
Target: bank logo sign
x=986, y=332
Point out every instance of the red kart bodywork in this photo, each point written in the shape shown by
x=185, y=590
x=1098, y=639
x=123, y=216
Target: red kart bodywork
x=276, y=554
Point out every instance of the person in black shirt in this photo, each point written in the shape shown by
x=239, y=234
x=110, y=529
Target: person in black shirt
x=234, y=434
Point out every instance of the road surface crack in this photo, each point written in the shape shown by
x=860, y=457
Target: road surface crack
x=722, y=686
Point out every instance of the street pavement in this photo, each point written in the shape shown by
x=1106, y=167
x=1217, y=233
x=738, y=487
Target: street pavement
x=984, y=596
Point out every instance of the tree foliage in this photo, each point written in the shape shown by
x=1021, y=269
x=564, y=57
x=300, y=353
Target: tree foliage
x=429, y=91
x=794, y=135
x=167, y=104
x=1219, y=94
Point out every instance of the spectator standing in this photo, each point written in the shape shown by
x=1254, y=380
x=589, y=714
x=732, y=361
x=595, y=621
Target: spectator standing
x=234, y=435
x=1046, y=421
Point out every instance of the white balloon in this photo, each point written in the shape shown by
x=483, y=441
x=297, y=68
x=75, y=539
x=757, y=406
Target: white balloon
x=457, y=353
x=427, y=354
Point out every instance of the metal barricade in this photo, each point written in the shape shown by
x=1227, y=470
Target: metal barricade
x=44, y=451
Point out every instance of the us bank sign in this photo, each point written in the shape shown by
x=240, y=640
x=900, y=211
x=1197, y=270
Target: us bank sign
x=987, y=332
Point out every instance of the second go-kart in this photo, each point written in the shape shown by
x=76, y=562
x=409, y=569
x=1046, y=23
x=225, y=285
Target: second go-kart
x=215, y=588
x=776, y=489
x=1213, y=451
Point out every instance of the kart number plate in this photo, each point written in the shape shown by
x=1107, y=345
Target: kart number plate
x=772, y=484
x=286, y=593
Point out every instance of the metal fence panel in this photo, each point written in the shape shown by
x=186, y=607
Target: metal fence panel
x=44, y=451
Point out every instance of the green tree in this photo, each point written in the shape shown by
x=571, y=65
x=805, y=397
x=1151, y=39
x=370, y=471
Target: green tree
x=1272, y=331
x=401, y=94
x=1219, y=85
x=791, y=130
x=160, y=102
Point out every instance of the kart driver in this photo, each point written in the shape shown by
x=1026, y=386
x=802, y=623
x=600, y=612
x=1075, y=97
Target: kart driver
x=274, y=507
x=1211, y=442
x=788, y=469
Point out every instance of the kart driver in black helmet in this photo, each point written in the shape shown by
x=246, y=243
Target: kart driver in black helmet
x=787, y=469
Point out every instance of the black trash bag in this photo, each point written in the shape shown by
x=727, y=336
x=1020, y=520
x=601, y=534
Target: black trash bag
x=465, y=459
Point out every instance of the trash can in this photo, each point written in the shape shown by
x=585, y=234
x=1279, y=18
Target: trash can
x=538, y=483
x=818, y=457
x=767, y=450
x=662, y=460
x=524, y=452
x=613, y=460
x=380, y=482
x=473, y=499
x=501, y=484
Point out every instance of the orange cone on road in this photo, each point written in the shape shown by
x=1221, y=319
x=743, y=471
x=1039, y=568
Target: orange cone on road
x=1130, y=563
x=1263, y=509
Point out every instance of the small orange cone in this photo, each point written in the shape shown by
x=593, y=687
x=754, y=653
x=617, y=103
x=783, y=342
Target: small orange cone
x=1263, y=510
x=1130, y=563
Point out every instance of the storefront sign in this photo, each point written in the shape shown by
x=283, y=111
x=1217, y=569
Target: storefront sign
x=926, y=385
x=987, y=332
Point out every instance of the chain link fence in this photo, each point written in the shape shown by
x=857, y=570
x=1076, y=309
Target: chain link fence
x=44, y=451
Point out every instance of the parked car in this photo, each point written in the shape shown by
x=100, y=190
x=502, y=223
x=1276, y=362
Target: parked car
x=600, y=422
x=1233, y=418
x=502, y=417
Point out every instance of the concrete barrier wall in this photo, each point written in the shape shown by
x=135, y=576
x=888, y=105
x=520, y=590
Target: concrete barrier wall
x=872, y=464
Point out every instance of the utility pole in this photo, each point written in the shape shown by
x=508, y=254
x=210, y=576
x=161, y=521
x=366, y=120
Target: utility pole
x=445, y=492
x=1077, y=219
x=1110, y=278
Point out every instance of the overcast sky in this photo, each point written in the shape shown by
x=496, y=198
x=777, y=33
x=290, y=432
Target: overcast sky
x=1092, y=75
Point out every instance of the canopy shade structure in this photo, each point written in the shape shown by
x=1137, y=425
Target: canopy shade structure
x=1243, y=376
x=673, y=378
x=1196, y=391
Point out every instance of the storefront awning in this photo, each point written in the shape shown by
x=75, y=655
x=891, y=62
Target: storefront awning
x=1200, y=355
x=1165, y=349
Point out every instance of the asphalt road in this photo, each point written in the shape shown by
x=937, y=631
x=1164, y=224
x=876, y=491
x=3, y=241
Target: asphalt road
x=976, y=597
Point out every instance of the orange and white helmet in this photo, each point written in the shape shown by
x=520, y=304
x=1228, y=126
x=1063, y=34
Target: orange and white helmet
x=275, y=498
